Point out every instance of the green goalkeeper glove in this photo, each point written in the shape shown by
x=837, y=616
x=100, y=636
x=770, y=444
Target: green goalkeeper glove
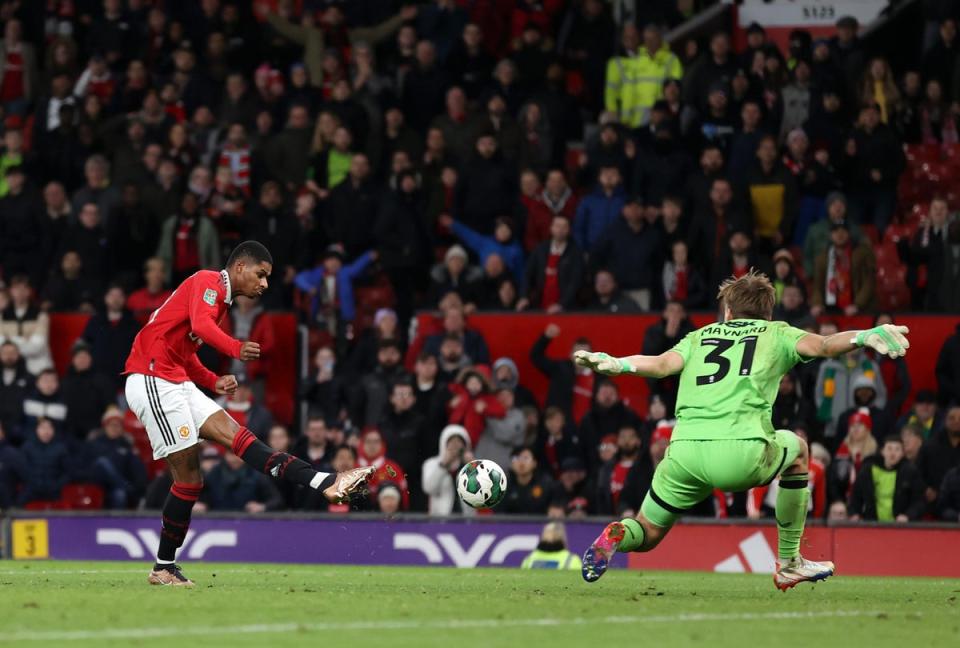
x=603, y=363
x=885, y=339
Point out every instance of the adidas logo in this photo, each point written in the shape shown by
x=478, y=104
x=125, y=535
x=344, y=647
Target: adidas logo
x=755, y=552
x=275, y=471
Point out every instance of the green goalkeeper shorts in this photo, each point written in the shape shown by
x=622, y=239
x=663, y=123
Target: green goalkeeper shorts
x=692, y=469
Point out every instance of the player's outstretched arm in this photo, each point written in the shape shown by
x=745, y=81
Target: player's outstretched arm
x=886, y=339
x=658, y=366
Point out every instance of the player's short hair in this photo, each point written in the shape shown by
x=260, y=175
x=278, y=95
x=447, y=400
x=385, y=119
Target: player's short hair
x=751, y=296
x=251, y=250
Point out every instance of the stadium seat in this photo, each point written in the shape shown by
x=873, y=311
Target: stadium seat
x=42, y=505
x=81, y=497
x=921, y=153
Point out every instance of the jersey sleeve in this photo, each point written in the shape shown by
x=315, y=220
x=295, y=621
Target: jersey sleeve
x=203, y=298
x=683, y=346
x=199, y=374
x=789, y=336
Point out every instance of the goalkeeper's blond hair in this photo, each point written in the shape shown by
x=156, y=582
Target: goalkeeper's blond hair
x=752, y=296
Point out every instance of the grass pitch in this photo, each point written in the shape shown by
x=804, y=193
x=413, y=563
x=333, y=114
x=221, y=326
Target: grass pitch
x=96, y=604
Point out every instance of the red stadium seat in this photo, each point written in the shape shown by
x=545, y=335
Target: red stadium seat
x=920, y=153
x=85, y=497
x=42, y=505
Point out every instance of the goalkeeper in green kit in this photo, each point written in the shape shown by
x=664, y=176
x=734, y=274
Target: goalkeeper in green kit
x=729, y=377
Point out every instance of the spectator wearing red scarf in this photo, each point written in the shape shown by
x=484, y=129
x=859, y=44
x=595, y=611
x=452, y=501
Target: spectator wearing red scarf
x=373, y=452
x=473, y=401
x=844, y=277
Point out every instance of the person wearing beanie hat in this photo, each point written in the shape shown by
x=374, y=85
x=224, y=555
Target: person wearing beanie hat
x=844, y=274
x=818, y=234
x=858, y=444
x=503, y=243
x=924, y=414
x=112, y=463
x=389, y=498
x=455, y=274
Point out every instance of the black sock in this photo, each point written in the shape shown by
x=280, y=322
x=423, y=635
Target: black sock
x=280, y=465
x=176, y=520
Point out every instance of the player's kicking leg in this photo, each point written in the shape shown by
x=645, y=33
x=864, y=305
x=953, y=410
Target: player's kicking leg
x=791, y=514
x=336, y=487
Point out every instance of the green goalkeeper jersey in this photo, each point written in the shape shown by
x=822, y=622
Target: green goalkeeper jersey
x=731, y=376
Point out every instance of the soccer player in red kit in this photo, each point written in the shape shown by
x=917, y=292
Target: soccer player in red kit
x=163, y=376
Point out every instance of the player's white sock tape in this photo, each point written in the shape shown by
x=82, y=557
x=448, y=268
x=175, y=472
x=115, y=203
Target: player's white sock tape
x=318, y=479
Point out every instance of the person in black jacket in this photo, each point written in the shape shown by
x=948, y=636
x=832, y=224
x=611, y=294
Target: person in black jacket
x=110, y=335
x=112, y=463
x=47, y=459
x=557, y=441
x=874, y=160
x=948, y=369
x=887, y=488
x=86, y=393
x=269, y=222
x=632, y=250
x=15, y=382
x=562, y=373
x=351, y=209
x=530, y=488
x=608, y=416
x=712, y=223
x=403, y=241
x=486, y=187
x=940, y=453
x=13, y=471
x=661, y=337
x=612, y=476
x=948, y=500
x=791, y=408
x=402, y=428
x=20, y=228
x=554, y=272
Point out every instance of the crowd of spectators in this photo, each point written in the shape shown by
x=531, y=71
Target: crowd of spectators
x=512, y=155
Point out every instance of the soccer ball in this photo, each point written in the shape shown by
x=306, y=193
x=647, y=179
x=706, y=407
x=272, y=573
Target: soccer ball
x=481, y=484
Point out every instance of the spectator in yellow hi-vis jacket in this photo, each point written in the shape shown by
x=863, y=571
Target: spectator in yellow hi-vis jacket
x=552, y=552
x=635, y=78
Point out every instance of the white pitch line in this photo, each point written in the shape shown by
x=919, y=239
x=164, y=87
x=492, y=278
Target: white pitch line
x=452, y=624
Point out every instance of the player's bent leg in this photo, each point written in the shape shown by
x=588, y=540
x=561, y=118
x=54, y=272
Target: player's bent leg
x=791, y=514
x=187, y=484
x=656, y=516
x=627, y=535
x=336, y=487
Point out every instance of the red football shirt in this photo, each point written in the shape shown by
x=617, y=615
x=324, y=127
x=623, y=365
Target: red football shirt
x=167, y=346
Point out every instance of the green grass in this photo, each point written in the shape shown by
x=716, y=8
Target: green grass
x=95, y=604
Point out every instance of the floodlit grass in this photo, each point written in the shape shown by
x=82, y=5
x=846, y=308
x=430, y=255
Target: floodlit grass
x=98, y=603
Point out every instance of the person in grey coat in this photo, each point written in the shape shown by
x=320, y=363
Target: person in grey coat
x=502, y=435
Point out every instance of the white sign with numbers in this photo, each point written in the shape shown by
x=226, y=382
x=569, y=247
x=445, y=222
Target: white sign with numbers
x=807, y=13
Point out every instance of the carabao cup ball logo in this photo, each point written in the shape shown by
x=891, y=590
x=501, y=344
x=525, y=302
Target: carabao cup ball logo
x=481, y=484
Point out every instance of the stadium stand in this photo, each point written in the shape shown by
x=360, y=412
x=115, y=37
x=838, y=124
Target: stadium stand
x=423, y=173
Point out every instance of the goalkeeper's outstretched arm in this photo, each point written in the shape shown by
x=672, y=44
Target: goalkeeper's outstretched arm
x=886, y=339
x=658, y=366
